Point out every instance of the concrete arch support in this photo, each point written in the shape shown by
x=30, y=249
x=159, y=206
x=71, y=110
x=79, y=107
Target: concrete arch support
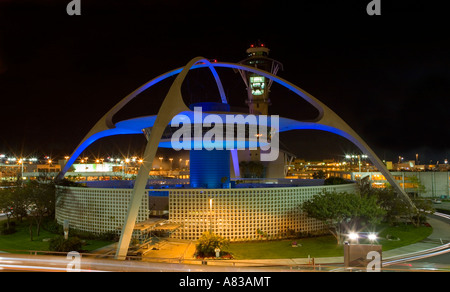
x=172, y=105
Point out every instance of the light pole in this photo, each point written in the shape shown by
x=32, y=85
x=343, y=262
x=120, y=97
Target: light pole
x=210, y=215
x=359, y=159
x=21, y=160
x=127, y=160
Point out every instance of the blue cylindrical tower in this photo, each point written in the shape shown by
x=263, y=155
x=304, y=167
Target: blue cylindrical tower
x=210, y=168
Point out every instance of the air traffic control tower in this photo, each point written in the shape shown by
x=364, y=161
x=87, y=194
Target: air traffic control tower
x=258, y=86
x=258, y=97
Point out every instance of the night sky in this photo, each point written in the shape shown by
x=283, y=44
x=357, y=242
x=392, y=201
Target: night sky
x=387, y=76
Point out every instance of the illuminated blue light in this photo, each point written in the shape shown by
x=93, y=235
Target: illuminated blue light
x=136, y=125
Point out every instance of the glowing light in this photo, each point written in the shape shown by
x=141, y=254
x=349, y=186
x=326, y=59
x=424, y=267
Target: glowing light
x=353, y=236
x=372, y=237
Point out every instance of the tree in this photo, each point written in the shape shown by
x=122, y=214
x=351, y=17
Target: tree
x=394, y=204
x=424, y=207
x=60, y=244
x=335, y=181
x=31, y=199
x=251, y=169
x=418, y=187
x=19, y=201
x=6, y=204
x=41, y=201
x=319, y=174
x=343, y=211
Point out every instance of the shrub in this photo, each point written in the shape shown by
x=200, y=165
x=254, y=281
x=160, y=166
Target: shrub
x=62, y=245
x=209, y=242
x=335, y=181
x=5, y=230
x=53, y=227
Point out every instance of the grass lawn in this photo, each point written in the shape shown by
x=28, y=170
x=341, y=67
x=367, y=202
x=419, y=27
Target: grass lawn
x=324, y=246
x=21, y=240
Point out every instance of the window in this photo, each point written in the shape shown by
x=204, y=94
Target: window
x=257, y=84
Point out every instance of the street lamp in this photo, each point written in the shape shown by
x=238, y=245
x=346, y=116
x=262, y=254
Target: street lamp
x=127, y=160
x=210, y=215
x=160, y=165
x=353, y=236
x=21, y=160
x=347, y=156
x=372, y=237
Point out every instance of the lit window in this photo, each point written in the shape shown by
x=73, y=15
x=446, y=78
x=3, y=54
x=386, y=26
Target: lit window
x=257, y=84
x=257, y=79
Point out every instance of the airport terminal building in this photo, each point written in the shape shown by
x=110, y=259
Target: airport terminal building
x=247, y=212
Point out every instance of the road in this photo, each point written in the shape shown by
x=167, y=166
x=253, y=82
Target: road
x=435, y=260
x=438, y=259
x=74, y=263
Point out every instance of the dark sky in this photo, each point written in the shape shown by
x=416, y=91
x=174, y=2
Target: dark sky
x=387, y=76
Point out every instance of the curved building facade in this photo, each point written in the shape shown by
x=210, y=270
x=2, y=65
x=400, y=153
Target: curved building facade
x=96, y=210
x=246, y=214
x=239, y=214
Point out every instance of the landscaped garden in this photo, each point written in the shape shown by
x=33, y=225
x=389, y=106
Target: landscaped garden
x=395, y=221
x=325, y=246
x=20, y=242
x=27, y=221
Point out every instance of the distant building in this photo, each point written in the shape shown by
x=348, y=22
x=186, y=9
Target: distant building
x=434, y=184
